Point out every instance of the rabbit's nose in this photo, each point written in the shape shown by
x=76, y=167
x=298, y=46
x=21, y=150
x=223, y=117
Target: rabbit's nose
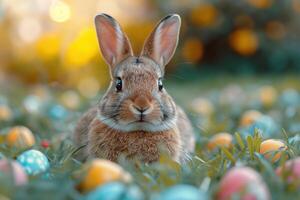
x=140, y=110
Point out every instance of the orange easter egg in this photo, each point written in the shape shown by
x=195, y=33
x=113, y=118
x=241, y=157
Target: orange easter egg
x=268, y=147
x=20, y=137
x=220, y=140
x=5, y=113
x=99, y=172
x=249, y=117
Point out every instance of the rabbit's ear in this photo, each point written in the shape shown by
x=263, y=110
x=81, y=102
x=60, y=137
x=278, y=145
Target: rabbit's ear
x=162, y=42
x=113, y=42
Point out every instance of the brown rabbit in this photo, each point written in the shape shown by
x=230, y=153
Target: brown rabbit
x=136, y=117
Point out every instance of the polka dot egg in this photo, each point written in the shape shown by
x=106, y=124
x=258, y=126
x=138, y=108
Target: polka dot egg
x=34, y=162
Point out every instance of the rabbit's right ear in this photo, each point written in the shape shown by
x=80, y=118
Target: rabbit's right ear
x=113, y=42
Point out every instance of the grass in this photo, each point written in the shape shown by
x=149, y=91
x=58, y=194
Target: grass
x=205, y=169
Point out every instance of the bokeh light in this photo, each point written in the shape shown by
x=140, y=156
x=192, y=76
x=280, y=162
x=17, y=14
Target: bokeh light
x=244, y=41
x=60, y=11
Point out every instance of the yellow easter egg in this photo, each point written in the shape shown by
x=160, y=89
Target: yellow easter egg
x=99, y=172
x=220, y=140
x=249, y=117
x=268, y=147
x=20, y=137
x=267, y=95
x=202, y=106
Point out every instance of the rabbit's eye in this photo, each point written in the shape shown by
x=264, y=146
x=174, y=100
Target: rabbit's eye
x=160, y=84
x=119, y=84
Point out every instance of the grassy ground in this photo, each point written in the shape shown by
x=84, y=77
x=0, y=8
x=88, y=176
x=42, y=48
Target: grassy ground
x=214, y=104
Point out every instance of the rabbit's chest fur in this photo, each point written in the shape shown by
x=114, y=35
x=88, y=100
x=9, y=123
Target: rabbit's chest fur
x=109, y=143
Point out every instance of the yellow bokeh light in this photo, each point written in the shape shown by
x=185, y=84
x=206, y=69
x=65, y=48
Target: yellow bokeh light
x=261, y=3
x=82, y=49
x=192, y=50
x=47, y=46
x=244, y=41
x=204, y=15
x=60, y=11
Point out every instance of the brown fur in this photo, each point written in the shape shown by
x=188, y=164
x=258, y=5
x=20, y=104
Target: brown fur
x=117, y=126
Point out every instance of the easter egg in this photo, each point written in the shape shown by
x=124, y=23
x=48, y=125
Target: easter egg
x=220, y=140
x=290, y=97
x=268, y=147
x=249, y=117
x=202, y=106
x=182, y=192
x=15, y=170
x=32, y=104
x=264, y=124
x=5, y=113
x=115, y=191
x=20, y=137
x=57, y=112
x=243, y=182
x=34, y=162
x=99, y=172
x=267, y=95
x=291, y=170
x=70, y=99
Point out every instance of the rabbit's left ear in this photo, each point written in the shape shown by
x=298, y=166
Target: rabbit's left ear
x=162, y=42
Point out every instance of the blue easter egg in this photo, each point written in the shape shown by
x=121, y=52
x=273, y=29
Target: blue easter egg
x=182, y=192
x=116, y=191
x=265, y=125
x=34, y=162
x=290, y=97
x=57, y=112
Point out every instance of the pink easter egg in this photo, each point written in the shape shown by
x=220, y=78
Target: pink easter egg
x=239, y=181
x=292, y=169
x=15, y=169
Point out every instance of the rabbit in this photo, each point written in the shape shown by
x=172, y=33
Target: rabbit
x=136, y=117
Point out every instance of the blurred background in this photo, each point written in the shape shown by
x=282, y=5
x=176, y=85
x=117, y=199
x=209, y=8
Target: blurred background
x=240, y=54
x=54, y=41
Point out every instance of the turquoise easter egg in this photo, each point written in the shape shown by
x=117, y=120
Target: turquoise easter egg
x=182, y=192
x=265, y=125
x=290, y=97
x=115, y=191
x=34, y=162
x=57, y=112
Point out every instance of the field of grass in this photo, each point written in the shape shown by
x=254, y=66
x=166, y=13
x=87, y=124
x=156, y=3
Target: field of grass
x=214, y=105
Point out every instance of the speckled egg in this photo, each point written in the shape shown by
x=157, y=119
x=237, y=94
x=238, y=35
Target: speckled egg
x=34, y=162
x=15, y=170
x=182, y=192
x=243, y=182
x=220, y=140
x=20, y=137
x=270, y=146
x=100, y=171
x=116, y=191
